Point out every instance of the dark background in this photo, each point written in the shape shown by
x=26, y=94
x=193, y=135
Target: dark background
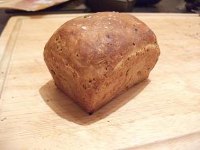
x=78, y=6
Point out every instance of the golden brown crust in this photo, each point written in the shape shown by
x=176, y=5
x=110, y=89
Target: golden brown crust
x=94, y=58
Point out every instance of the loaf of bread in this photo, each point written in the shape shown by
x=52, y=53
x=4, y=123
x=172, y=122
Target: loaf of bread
x=96, y=57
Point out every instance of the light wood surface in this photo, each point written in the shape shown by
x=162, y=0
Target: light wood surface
x=161, y=113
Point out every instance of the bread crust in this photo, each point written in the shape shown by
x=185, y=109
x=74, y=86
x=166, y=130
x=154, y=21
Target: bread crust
x=94, y=58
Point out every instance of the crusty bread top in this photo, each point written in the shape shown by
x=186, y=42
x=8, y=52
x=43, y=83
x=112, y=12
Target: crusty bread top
x=100, y=41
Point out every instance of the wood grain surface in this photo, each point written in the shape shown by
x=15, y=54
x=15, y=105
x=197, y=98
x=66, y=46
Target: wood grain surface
x=162, y=112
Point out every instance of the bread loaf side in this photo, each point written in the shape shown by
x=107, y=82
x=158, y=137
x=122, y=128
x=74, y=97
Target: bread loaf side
x=94, y=58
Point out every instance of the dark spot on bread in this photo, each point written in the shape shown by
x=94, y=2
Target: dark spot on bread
x=107, y=35
x=139, y=73
x=90, y=113
x=53, y=72
x=66, y=64
x=127, y=72
x=133, y=44
x=60, y=51
x=105, y=75
x=84, y=86
x=156, y=59
x=110, y=44
x=136, y=29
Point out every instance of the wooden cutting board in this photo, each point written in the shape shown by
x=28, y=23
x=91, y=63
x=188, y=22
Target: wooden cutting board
x=163, y=112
